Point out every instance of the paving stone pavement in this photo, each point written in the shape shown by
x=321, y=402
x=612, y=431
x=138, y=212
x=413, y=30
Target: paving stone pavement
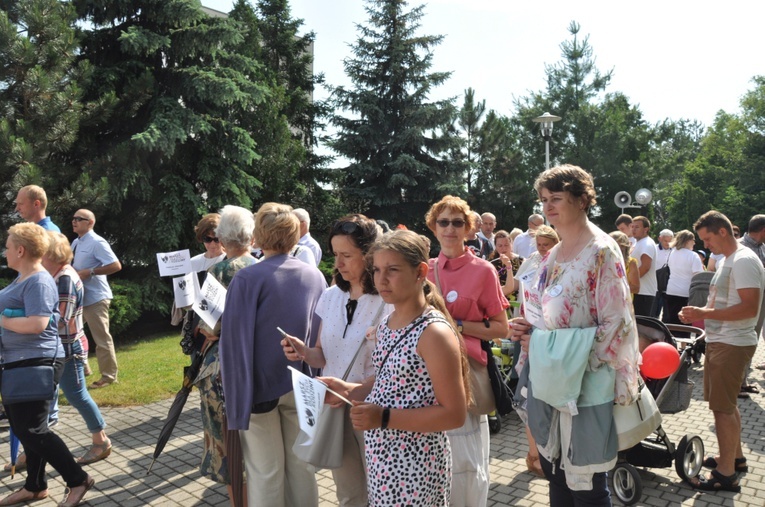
x=122, y=479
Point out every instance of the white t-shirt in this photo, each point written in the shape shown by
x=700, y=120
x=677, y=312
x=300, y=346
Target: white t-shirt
x=646, y=246
x=661, y=256
x=202, y=263
x=740, y=270
x=339, y=351
x=683, y=264
x=524, y=245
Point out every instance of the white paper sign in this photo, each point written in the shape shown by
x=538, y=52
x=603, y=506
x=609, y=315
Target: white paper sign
x=309, y=401
x=210, y=301
x=185, y=290
x=174, y=263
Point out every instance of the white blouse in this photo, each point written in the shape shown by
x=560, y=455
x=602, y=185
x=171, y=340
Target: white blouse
x=339, y=351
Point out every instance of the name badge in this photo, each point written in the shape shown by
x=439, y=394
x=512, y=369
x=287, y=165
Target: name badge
x=451, y=296
x=555, y=291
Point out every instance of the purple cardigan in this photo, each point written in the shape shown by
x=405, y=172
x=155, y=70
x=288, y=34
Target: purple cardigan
x=278, y=291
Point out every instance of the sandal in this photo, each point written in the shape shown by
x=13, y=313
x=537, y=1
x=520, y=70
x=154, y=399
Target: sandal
x=741, y=466
x=750, y=389
x=718, y=482
x=21, y=496
x=72, y=499
x=21, y=464
x=97, y=452
x=534, y=466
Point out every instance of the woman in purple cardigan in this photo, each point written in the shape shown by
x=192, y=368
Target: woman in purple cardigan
x=279, y=291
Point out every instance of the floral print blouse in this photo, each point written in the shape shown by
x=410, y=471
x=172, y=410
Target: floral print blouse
x=591, y=290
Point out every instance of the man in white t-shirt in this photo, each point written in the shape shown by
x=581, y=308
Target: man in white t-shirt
x=730, y=316
x=645, y=253
x=524, y=244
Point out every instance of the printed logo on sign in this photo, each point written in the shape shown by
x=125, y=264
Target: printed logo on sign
x=309, y=417
x=182, y=284
x=165, y=258
x=203, y=305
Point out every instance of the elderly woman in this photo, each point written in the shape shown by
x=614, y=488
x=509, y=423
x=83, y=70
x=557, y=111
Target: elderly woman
x=234, y=231
x=580, y=295
x=57, y=262
x=279, y=291
x=475, y=301
x=347, y=310
x=32, y=340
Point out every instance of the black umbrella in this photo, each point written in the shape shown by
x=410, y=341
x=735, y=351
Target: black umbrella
x=189, y=374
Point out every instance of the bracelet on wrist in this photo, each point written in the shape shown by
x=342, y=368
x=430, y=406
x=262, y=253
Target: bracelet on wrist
x=385, y=418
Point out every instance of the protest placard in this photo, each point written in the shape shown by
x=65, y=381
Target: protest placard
x=174, y=263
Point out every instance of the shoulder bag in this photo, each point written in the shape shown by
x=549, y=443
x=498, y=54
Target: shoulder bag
x=482, y=394
x=28, y=380
x=326, y=450
x=662, y=275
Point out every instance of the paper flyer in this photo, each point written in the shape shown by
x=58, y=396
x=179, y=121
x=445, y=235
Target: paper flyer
x=185, y=290
x=210, y=301
x=309, y=401
x=174, y=263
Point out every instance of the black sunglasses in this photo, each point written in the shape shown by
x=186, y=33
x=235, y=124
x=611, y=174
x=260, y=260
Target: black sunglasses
x=79, y=219
x=345, y=227
x=457, y=223
x=208, y=239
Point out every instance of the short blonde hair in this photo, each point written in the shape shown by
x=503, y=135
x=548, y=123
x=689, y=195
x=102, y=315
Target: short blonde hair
x=276, y=227
x=545, y=231
x=450, y=203
x=32, y=237
x=36, y=193
x=59, y=250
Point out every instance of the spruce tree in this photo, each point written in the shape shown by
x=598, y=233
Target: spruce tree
x=171, y=147
x=389, y=128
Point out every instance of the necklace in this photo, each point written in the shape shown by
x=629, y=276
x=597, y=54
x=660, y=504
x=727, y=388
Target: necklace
x=572, y=250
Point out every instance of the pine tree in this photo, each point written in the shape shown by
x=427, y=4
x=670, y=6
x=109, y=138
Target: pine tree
x=392, y=132
x=170, y=147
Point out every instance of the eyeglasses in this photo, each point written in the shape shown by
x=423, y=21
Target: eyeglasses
x=457, y=223
x=345, y=227
x=208, y=239
x=79, y=219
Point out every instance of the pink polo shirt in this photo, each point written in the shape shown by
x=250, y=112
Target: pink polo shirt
x=472, y=292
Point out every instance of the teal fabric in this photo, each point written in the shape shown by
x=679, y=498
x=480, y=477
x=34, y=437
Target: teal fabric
x=565, y=352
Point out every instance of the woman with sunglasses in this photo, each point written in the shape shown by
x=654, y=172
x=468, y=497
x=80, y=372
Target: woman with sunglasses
x=234, y=232
x=213, y=254
x=475, y=301
x=347, y=310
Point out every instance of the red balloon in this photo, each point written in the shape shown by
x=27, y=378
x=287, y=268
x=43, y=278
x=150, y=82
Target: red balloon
x=660, y=360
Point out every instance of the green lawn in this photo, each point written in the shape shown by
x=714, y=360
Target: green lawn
x=149, y=370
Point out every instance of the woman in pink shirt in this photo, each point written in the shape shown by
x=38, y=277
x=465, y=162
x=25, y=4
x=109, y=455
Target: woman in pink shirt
x=474, y=299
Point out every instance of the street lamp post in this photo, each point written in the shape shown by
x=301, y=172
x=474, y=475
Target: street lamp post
x=546, y=124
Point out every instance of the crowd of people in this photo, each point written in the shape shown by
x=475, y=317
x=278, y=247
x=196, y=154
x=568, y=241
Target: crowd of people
x=401, y=335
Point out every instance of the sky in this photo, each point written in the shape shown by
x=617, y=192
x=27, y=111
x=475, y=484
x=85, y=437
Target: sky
x=675, y=59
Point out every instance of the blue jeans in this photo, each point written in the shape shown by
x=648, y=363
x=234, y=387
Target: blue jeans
x=76, y=390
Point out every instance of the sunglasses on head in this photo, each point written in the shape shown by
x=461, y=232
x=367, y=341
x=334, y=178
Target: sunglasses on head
x=208, y=239
x=457, y=223
x=346, y=227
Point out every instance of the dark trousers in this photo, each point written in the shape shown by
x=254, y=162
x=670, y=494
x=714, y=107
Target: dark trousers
x=29, y=422
x=562, y=496
x=643, y=304
x=658, y=304
x=672, y=306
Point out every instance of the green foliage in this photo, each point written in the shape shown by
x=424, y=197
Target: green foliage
x=391, y=133
x=133, y=299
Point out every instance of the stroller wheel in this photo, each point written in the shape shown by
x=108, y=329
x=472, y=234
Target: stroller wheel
x=626, y=483
x=689, y=456
x=495, y=423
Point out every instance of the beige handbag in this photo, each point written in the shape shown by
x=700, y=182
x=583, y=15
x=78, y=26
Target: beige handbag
x=482, y=396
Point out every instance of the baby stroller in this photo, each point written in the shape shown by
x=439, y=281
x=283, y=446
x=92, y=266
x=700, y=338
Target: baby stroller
x=672, y=395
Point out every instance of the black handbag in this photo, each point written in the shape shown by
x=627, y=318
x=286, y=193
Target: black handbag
x=28, y=383
x=662, y=275
x=503, y=398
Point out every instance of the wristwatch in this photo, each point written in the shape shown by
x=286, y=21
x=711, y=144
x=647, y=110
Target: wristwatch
x=459, y=326
x=385, y=418
x=92, y=272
